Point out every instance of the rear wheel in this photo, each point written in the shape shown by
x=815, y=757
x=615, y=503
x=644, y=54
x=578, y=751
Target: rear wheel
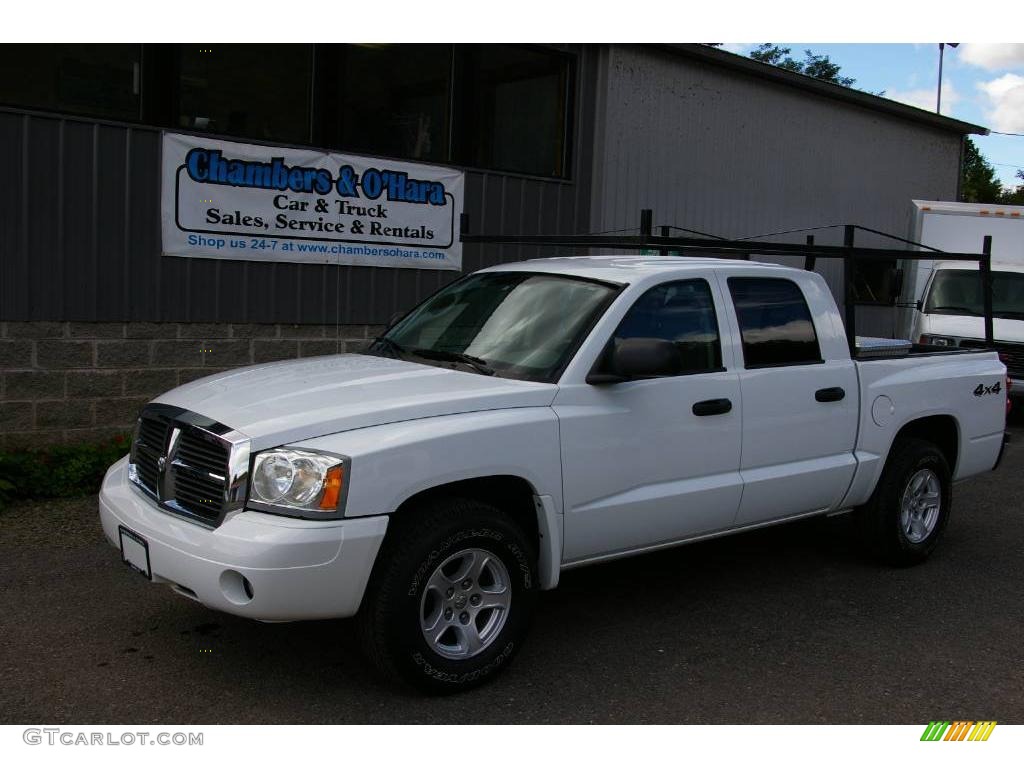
x=906, y=516
x=451, y=597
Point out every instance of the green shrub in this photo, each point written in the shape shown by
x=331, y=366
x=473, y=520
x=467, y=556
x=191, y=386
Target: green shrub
x=58, y=472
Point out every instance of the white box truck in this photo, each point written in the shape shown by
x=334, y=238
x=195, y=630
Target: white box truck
x=941, y=301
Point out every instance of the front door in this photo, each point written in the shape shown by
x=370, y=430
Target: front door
x=640, y=466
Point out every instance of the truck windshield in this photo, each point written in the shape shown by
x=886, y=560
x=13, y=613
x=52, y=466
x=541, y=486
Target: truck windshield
x=958, y=292
x=517, y=325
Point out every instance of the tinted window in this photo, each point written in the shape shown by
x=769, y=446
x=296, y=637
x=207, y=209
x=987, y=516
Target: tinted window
x=511, y=109
x=394, y=100
x=775, y=323
x=683, y=313
x=959, y=292
x=259, y=91
x=87, y=79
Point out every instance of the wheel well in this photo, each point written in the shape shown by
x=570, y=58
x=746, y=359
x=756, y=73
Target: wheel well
x=511, y=494
x=940, y=431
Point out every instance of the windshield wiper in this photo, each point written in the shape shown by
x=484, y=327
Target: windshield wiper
x=478, y=363
x=389, y=345
x=965, y=310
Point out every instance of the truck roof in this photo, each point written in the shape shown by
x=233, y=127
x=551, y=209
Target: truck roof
x=623, y=268
x=997, y=266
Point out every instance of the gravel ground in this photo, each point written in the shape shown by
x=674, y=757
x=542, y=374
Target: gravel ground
x=785, y=625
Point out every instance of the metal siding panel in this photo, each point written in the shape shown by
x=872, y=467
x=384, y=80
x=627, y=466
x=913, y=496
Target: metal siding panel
x=43, y=196
x=14, y=280
x=110, y=297
x=143, y=260
x=79, y=234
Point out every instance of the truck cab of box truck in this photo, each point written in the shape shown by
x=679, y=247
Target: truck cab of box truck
x=942, y=302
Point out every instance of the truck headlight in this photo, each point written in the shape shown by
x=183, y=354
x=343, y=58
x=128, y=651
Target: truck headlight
x=299, y=483
x=938, y=341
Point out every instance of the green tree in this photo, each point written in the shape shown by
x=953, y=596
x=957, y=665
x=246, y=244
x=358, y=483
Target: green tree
x=1015, y=196
x=813, y=65
x=978, y=181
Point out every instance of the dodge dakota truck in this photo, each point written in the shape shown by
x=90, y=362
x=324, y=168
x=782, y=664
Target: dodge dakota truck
x=534, y=417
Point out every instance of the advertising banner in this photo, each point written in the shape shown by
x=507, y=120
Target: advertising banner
x=229, y=200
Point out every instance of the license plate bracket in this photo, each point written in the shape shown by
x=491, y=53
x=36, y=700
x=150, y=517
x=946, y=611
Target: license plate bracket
x=135, y=552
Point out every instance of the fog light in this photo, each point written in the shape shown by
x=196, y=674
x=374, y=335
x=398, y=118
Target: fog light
x=236, y=588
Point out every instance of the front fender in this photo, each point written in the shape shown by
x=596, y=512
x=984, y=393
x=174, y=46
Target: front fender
x=393, y=462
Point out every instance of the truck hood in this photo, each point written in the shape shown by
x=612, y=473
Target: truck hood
x=284, y=402
x=970, y=327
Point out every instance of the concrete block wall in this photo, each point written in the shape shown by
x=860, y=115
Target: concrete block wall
x=84, y=382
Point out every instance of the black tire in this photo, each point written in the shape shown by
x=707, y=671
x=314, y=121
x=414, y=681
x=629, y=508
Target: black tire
x=880, y=519
x=417, y=543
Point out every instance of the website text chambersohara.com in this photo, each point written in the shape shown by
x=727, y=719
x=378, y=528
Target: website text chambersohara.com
x=338, y=249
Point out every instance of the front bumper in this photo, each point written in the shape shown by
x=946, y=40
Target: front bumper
x=297, y=569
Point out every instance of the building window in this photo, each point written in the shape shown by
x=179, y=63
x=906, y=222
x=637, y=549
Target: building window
x=511, y=109
x=393, y=100
x=682, y=312
x=775, y=323
x=94, y=80
x=258, y=91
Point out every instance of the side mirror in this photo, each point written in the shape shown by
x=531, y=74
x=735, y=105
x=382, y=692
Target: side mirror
x=920, y=305
x=640, y=359
x=394, y=319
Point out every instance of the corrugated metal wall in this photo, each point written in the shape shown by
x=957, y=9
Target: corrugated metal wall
x=80, y=233
x=718, y=151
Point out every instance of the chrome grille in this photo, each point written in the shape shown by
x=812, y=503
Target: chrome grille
x=150, y=444
x=191, y=465
x=200, y=469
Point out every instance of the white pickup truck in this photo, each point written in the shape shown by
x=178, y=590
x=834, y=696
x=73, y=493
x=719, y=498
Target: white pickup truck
x=534, y=417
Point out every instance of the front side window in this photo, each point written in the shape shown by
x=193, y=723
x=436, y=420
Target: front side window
x=514, y=324
x=959, y=292
x=682, y=312
x=775, y=323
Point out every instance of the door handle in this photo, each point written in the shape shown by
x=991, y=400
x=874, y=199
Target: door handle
x=830, y=395
x=712, y=407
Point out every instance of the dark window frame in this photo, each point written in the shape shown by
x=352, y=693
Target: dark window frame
x=739, y=324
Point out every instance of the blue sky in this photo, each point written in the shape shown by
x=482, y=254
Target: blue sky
x=982, y=84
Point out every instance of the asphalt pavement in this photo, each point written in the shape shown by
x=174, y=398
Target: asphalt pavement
x=785, y=625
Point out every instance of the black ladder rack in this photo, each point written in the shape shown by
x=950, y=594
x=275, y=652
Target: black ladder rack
x=849, y=252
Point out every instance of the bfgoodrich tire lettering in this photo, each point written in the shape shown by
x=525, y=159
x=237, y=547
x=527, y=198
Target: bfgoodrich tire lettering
x=904, y=519
x=404, y=591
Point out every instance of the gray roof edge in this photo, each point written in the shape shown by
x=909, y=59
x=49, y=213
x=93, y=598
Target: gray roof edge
x=820, y=87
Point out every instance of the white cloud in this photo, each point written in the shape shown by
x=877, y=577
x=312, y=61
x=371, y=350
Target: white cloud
x=993, y=56
x=924, y=98
x=742, y=49
x=1006, y=100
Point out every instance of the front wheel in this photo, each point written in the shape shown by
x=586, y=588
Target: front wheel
x=906, y=516
x=451, y=598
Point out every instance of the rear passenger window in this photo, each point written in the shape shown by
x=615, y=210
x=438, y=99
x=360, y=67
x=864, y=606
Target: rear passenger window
x=775, y=323
x=682, y=312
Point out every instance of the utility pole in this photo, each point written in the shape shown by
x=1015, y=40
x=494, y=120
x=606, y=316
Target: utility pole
x=938, y=95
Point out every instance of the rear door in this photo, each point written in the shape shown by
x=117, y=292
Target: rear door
x=799, y=410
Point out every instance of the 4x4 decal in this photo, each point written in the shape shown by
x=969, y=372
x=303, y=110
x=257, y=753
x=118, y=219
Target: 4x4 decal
x=995, y=389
